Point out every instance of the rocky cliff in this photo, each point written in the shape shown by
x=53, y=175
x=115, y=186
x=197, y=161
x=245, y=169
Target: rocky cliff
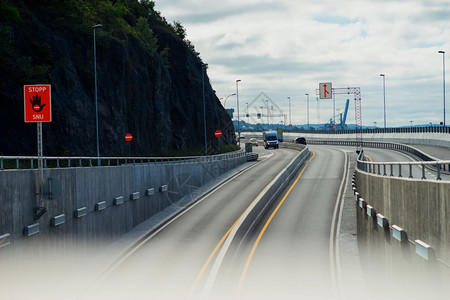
x=149, y=80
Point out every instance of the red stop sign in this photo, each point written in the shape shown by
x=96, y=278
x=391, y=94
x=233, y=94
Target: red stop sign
x=128, y=137
x=218, y=133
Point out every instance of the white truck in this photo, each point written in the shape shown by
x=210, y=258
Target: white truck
x=270, y=139
x=280, y=135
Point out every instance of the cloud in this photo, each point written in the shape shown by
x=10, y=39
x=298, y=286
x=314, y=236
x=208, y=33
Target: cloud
x=286, y=47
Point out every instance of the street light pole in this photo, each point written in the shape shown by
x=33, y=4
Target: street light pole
x=290, y=119
x=443, y=78
x=384, y=98
x=318, y=110
x=204, y=67
x=237, y=104
x=96, y=101
x=247, y=114
x=307, y=110
x=225, y=102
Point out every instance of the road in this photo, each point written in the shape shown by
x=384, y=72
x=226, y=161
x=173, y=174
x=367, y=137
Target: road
x=167, y=266
x=190, y=256
x=293, y=258
x=290, y=253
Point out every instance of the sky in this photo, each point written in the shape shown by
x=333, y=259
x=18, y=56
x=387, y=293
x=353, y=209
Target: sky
x=285, y=48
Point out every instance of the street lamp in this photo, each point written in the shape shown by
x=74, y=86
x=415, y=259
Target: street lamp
x=237, y=104
x=247, y=114
x=318, y=110
x=96, y=102
x=225, y=102
x=443, y=78
x=384, y=97
x=307, y=110
x=204, y=67
x=290, y=119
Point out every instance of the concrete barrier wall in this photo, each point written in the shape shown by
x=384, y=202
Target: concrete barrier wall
x=273, y=190
x=421, y=208
x=97, y=190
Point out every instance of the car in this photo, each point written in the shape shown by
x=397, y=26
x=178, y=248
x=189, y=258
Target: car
x=254, y=141
x=300, y=140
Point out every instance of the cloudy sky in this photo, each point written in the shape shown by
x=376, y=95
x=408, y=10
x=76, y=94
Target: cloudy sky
x=285, y=48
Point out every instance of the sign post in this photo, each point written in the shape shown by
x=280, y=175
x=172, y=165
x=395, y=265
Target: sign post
x=38, y=109
x=218, y=134
x=129, y=138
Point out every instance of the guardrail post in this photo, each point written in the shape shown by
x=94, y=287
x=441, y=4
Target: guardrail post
x=31, y=164
x=17, y=163
x=57, y=162
x=68, y=163
x=423, y=172
x=400, y=170
x=379, y=173
x=392, y=170
x=438, y=167
x=384, y=170
x=1, y=163
x=410, y=171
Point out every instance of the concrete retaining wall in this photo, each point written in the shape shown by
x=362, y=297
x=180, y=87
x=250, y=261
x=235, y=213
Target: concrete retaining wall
x=100, y=191
x=421, y=208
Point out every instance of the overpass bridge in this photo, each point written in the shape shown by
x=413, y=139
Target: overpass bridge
x=223, y=227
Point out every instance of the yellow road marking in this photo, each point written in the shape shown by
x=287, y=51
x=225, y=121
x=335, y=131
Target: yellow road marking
x=258, y=239
x=213, y=253
x=371, y=160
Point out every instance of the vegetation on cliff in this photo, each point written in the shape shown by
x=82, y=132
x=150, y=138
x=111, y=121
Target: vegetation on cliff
x=149, y=79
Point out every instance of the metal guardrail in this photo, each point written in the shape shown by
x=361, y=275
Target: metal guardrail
x=380, y=168
x=424, y=129
x=30, y=162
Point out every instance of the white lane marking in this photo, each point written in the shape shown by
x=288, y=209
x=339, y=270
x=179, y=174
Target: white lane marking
x=334, y=251
x=152, y=235
x=219, y=259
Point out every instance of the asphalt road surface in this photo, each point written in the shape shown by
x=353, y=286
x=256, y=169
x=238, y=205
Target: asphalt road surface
x=291, y=257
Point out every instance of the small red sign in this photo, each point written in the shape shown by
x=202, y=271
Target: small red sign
x=218, y=133
x=128, y=137
x=37, y=103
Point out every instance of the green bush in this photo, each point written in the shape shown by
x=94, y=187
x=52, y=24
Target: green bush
x=9, y=12
x=148, y=39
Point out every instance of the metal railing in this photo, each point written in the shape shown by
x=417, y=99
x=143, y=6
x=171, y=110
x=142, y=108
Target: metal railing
x=424, y=129
x=383, y=168
x=30, y=162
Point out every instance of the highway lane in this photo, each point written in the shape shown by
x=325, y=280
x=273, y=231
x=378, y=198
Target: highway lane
x=289, y=257
x=292, y=257
x=169, y=265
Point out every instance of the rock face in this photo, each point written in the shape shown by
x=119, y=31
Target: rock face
x=159, y=103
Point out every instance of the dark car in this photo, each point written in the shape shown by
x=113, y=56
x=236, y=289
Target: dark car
x=300, y=140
